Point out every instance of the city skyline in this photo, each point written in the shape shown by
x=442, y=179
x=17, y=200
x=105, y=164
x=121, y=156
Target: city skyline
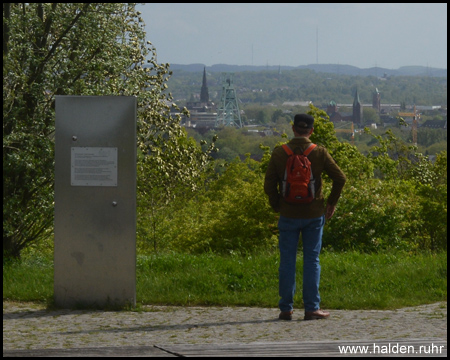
x=362, y=35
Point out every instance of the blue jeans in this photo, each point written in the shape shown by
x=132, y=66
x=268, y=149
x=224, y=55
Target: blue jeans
x=311, y=230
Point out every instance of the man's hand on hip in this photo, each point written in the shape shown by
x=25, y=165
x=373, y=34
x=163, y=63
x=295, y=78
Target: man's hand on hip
x=329, y=211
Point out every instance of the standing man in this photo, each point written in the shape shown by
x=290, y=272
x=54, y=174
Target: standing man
x=306, y=218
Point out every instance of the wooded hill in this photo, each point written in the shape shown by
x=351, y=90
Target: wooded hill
x=323, y=68
x=278, y=85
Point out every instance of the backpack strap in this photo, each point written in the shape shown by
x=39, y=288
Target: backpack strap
x=287, y=149
x=310, y=148
x=307, y=151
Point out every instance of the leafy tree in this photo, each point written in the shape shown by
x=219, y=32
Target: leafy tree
x=77, y=49
x=276, y=115
x=175, y=170
x=370, y=116
x=430, y=180
x=324, y=133
x=233, y=215
x=263, y=117
x=391, y=157
x=374, y=215
x=427, y=137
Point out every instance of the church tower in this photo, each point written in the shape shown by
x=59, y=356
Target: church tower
x=376, y=101
x=204, y=96
x=357, y=110
x=331, y=108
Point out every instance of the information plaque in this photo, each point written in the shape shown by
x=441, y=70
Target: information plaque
x=93, y=166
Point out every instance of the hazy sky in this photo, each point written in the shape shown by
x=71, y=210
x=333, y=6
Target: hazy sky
x=362, y=35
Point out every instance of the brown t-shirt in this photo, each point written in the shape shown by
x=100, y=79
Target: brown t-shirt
x=321, y=161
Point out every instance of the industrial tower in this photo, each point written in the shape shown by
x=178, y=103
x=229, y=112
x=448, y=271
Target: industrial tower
x=228, y=113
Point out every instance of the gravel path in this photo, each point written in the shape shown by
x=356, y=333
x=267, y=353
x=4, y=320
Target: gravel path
x=32, y=326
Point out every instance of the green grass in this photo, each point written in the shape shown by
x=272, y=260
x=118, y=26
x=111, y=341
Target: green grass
x=28, y=280
x=348, y=281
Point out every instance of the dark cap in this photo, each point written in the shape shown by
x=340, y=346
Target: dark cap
x=303, y=121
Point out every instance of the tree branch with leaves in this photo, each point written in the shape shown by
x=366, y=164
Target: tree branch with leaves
x=78, y=49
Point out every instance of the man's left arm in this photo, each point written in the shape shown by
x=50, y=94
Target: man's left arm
x=338, y=178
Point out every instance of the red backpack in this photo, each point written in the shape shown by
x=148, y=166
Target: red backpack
x=298, y=182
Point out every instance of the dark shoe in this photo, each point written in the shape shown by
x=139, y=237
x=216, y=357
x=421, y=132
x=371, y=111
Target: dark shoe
x=285, y=315
x=316, y=315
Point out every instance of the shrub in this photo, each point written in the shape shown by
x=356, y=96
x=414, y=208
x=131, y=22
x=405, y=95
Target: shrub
x=376, y=215
x=233, y=215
